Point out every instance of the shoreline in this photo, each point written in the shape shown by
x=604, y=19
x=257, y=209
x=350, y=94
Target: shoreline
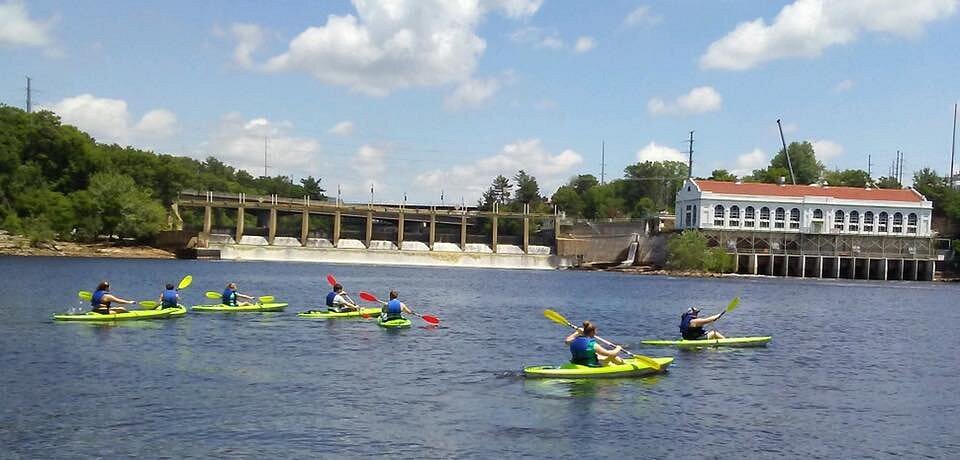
x=16, y=245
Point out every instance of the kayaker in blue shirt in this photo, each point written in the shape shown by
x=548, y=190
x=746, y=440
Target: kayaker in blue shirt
x=101, y=299
x=394, y=309
x=170, y=298
x=691, y=326
x=586, y=351
x=339, y=302
x=230, y=296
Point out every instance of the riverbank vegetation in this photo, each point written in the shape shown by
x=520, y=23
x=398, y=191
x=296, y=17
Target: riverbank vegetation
x=58, y=182
x=689, y=251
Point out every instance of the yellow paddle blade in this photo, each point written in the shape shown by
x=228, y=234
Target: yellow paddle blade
x=556, y=317
x=648, y=361
x=85, y=295
x=185, y=282
x=266, y=299
x=733, y=304
x=212, y=295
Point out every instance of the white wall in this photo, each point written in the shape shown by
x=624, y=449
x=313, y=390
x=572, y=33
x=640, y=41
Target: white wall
x=702, y=213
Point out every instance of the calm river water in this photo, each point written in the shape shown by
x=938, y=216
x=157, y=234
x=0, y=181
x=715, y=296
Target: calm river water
x=856, y=369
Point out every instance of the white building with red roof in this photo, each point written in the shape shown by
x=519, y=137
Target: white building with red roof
x=807, y=209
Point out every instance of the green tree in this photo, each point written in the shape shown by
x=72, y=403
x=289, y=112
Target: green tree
x=311, y=188
x=657, y=180
x=605, y=201
x=123, y=208
x=806, y=168
x=583, y=182
x=888, y=182
x=689, y=251
x=499, y=192
x=528, y=191
x=568, y=200
x=722, y=175
x=847, y=178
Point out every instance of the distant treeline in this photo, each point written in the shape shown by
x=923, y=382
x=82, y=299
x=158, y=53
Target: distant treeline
x=58, y=182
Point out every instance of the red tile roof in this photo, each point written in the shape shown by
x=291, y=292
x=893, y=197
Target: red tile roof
x=846, y=193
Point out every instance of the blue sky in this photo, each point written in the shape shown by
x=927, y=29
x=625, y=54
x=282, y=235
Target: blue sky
x=422, y=96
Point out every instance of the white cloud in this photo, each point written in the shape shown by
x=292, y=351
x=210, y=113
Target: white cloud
x=807, y=27
x=250, y=38
x=110, y=121
x=584, y=44
x=845, y=85
x=472, y=93
x=471, y=180
x=657, y=152
x=538, y=37
x=240, y=143
x=747, y=162
x=826, y=150
x=388, y=45
x=17, y=29
x=517, y=9
x=369, y=162
x=344, y=128
x=699, y=100
x=641, y=15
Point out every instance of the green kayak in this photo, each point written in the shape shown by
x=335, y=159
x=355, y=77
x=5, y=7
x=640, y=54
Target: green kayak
x=316, y=314
x=132, y=315
x=630, y=368
x=727, y=342
x=241, y=308
x=394, y=323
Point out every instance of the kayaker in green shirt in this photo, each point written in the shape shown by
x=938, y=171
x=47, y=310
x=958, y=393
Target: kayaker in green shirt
x=230, y=296
x=691, y=326
x=587, y=352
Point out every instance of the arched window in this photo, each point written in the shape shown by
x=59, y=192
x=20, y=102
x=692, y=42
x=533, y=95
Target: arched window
x=718, y=216
x=911, y=223
x=795, y=218
x=734, y=216
x=868, y=221
x=883, y=220
x=817, y=214
x=854, y=221
x=764, y=217
x=897, y=223
x=838, y=220
x=749, y=214
x=778, y=218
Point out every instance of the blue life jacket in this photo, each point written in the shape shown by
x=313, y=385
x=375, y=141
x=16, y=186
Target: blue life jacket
x=582, y=349
x=393, y=309
x=688, y=332
x=169, y=298
x=229, y=297
x=95, y=300
x=330, y=296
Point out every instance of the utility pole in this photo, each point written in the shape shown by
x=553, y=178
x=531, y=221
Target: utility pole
x=264, y=156
x=900, y=168
x=29, y=98
x=793, y=179
x=953, y=145
x=869, y=166
x=603, y=164
x=690, y=158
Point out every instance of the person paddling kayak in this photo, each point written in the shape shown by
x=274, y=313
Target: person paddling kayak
x=101, y=299
x=230, y=296
x=394, y=309
x=586, y=351
x=691, y=326
x=170, y=297
x=338, y=302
